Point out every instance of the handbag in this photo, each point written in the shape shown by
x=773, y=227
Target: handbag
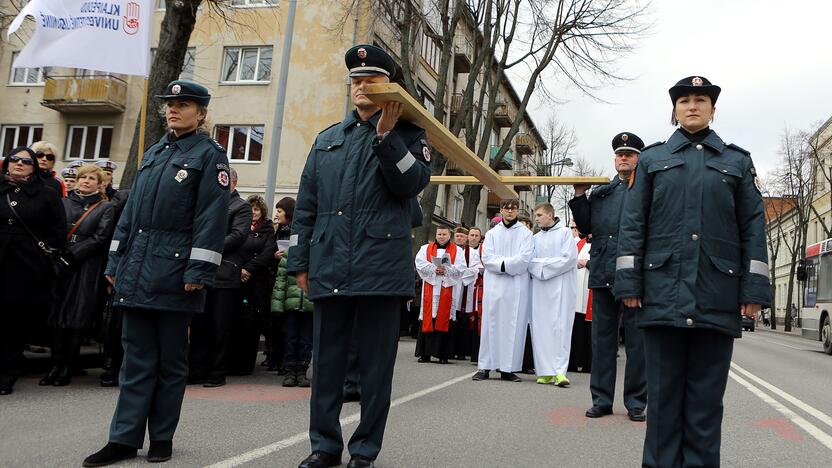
x=58, y=261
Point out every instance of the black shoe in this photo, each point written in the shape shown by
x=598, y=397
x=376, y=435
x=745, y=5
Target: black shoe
x=636, y=415
x=160, y=451
x=598, y=411
x=111, y=453
x=49, y=378
x=480, y=375
x=443, y=361
x=424, y=359
x=320, y=460
x=196, y=379
x=351, y=396
x=360, y=461
x=7, y=384
x=107, y=379
x=303, y=382
x=510, y=377
x=290, y=380
x=6, y=389
x=213, y=383
x=266, y=362
x=63, y=378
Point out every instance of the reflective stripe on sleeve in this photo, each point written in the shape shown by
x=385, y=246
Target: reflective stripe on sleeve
x=293, y=240
x=114, y=245
x=758, y=267
x=406, y=162
x=627, y=261
x=206, y=255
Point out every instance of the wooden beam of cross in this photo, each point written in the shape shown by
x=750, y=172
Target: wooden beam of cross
x=521, y=180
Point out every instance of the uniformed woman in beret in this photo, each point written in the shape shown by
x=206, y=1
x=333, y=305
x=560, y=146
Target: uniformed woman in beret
x=692, y=255
x=165, y=251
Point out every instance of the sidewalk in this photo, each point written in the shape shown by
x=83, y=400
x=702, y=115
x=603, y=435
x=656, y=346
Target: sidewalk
x=795, y=331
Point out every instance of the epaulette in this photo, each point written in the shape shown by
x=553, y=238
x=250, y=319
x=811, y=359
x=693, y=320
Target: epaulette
x=650, y=146
x=741, y=150
x=322, y=131
x=217, y=145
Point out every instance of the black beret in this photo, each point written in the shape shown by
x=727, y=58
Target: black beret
x=369, y=60
x=694, y=85
x=187, y=90
x=626, y=141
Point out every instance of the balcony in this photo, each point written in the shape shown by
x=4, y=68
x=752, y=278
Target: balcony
x=524, y=143
x=452, y=169
x=524, y=172
x=456, y=104
x=93, y=94
x=506, y=163
x=463, y=55
x=503, y=115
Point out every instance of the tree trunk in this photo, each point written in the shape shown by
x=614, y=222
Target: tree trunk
x=177, y=26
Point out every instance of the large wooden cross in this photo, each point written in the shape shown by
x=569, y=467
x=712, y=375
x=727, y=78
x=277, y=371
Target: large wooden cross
x=452, y=147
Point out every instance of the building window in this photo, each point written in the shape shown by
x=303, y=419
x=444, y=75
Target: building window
x=25, y=76
x=253, y=3
x=187, y=66
x=242, y=143
x=88, y=142
x=247, y=64
x=430, y=52
x=12, y=136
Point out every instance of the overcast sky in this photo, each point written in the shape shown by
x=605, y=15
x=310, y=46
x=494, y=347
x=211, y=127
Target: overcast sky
x=773, y=60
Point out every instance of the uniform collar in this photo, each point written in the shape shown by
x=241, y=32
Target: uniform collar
x=679, y=141
x=185, y=143
x=353, y=118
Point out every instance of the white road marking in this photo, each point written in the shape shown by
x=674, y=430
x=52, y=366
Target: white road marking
x=810, y=428
x=817, y=414
x=781, y=344
x=303, y=436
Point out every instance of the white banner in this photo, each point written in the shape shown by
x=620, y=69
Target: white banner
x=111, y=36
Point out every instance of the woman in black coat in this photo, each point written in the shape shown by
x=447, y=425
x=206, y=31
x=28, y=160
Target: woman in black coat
x=82, y=292
x=258, y=251
x=25, y=271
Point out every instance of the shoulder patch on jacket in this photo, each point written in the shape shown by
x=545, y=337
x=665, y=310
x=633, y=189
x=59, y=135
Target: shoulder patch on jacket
x=217, y=145
x=322, y=131
x=650, y=146
x=741, y=150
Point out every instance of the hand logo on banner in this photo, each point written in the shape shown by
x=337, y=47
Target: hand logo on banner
x=131, y=19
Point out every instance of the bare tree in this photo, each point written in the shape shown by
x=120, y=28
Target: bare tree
x=777, y=207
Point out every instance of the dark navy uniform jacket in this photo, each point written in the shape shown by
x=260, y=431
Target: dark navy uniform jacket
x=598, y=214
x=173, y=226
x=693, y=236
x=355, y=208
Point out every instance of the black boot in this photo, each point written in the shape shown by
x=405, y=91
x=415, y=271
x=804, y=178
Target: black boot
x=300, y=373
x=160, y=451
x=49, y=378
x=63, y=378
x=111, y=453
x=291, y=378
x=109, y=378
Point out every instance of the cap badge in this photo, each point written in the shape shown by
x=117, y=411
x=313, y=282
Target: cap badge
x=696, y=81
x=625, y=137
x=362, y=53
x=175, y=89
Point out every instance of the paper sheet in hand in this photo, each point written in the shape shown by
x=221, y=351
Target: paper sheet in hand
x=283, y=245
x=441, y=260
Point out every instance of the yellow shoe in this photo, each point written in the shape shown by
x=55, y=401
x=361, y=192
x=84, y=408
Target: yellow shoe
x=545, y=379
x=561, y=380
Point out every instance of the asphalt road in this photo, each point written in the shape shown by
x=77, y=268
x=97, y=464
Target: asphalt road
x=778, y=414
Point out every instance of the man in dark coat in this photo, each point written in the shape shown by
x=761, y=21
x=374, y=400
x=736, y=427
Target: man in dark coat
x=598, y=215
x=211, y=331
x=352, y=221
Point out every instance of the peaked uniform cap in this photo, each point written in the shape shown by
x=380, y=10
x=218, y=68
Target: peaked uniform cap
x=694, y=85
x=369, y=60
x=188, y=90
x=626, y=141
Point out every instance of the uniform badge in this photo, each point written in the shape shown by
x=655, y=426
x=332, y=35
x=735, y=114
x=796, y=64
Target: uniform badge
x=175, y=89
x=426, y=153
x=181, y=175
x=223, y=179
x=696, y=81
x=362, y=53
x=625, y=137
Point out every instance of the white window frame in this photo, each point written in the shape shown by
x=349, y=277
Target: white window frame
x=97, y=153
x=240, y=50
x=259, y=4
x=41, y=74
x=17, y=127
x=189, y=51
x=229, y=146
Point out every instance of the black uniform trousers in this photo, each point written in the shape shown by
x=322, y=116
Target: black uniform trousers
x=376, y=321
x=153, y=375
x=12, y=338
x=605, y=313
x=211, y=334
x=687, y=372
x=352, y=381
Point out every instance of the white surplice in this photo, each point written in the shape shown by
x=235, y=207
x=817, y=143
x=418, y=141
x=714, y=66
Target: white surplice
x=554, y=284
x=582, y=294
x=427, y=271
x=471, y=271
x=505, y=254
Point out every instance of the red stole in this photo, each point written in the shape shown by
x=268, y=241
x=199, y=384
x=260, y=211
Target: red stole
x=446, y=296
x=581, y=244
x=478, y=289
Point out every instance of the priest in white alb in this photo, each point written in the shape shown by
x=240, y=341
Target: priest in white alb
x=441, y=265
x=553, y=269
x=505, y=254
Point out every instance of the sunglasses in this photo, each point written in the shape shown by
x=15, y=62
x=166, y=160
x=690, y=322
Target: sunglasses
x=26, y=161
x=49, y=157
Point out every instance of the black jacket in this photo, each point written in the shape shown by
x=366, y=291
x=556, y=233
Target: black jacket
x=83, y=290
x=233, y=256
x=25, y=273
x=259, y=249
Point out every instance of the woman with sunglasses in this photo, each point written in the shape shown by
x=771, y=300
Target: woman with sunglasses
x=45, y=155
x=27, y=203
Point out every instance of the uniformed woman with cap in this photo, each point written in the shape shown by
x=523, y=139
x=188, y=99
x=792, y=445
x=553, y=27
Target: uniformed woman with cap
x=692, y=255
x=165, y=251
